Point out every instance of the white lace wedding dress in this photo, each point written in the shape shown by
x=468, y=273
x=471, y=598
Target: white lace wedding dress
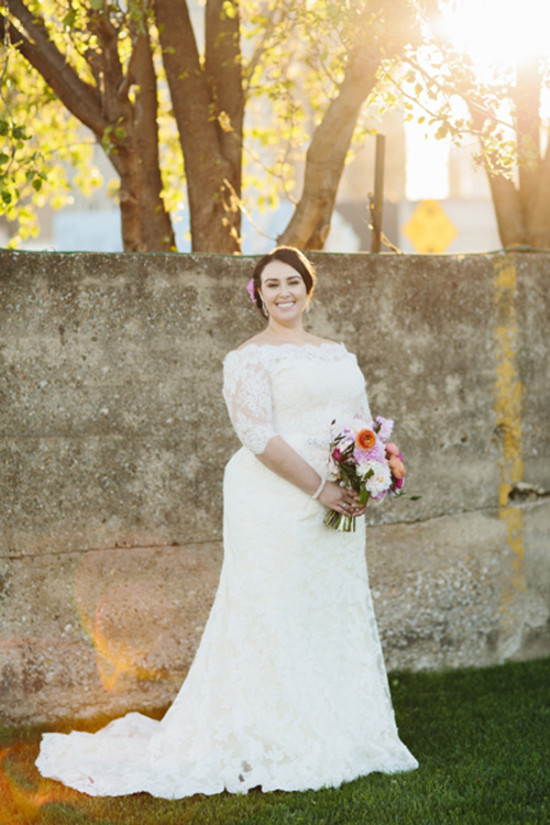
x=288, y=688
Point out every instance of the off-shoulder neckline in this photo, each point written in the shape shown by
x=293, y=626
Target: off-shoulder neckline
x=288, y=344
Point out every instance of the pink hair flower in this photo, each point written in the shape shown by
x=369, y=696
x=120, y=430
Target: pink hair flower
x=250, y=290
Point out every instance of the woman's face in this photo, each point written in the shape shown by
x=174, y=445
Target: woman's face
x=283, y=292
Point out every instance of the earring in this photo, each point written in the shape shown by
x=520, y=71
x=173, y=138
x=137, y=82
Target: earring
x=264, y=309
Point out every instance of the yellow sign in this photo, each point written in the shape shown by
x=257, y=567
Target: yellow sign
x=429, y=229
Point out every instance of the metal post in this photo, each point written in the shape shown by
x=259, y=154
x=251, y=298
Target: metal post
x=378, y=200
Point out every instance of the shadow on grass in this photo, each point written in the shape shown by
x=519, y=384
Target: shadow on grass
x=482, y=737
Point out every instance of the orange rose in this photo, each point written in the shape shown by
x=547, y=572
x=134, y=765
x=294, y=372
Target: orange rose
x=365, y=439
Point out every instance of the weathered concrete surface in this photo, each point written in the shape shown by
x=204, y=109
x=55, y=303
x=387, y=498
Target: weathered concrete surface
x=113, y=434
x=438, y=590
x=103, y=629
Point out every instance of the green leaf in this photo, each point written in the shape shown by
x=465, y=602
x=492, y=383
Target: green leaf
x=229, y=10
x=69, y=19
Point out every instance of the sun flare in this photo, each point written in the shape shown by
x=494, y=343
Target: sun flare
x=499, y=32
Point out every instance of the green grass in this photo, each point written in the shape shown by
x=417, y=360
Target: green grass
x=482, y=737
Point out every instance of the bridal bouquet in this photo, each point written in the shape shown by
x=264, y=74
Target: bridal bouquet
x=359, y=458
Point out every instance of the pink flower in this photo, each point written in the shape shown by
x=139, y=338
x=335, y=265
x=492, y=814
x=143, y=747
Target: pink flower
x=377, y=452
x=333, y=461
x=383, y=427
x=398, y=483
x=397, y=467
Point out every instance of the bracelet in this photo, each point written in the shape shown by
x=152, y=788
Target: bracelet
x=320, y=489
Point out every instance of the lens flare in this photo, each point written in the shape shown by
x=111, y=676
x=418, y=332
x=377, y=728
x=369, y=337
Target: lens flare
x=20, y=799
x=113, y=618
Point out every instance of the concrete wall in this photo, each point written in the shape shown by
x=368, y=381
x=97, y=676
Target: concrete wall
x=113, y=435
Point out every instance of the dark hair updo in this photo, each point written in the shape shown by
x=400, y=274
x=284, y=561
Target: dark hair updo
x=288, y=255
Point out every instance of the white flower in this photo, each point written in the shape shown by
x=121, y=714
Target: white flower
x=380, y=480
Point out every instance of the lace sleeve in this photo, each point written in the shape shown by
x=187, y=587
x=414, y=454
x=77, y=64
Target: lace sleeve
x=247, y=394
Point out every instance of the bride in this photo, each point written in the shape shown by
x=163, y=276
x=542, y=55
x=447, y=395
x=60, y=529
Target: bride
x=288, y=688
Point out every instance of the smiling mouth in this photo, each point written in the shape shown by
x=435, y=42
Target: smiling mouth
x=286, y=303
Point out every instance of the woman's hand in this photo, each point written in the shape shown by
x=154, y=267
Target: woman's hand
x=396, y=464
x=342, y=499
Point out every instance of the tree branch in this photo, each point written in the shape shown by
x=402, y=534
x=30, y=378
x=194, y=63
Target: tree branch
x=111, y=68
x=79, y=97
x=274, y=21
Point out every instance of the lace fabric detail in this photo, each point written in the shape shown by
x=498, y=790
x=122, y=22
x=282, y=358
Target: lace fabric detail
x=247, y=394
x=288, y=689
x=249, y=374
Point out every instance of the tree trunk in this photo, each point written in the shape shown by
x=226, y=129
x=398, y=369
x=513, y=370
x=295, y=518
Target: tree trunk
x=133, y=138
x=223, y=71
x=534, y=172
x=522, y=211
x=144, y=227
x=156, y=226
x=504, y=194
x=538, y=231
x=310, y=224
x=526, y=96
x=508, y=212
x=209, y=110
x=107, y=108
